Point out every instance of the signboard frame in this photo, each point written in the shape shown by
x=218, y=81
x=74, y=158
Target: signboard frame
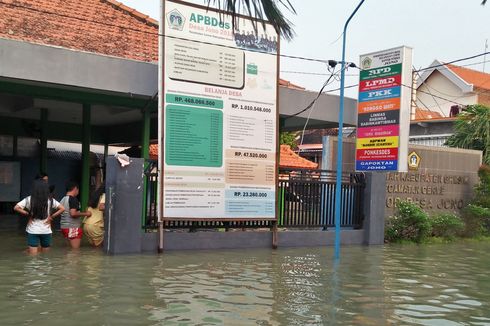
x=161, y=121
x=384, y=106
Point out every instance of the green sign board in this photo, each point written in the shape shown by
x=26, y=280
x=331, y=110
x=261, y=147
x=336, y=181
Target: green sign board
x=194, y=136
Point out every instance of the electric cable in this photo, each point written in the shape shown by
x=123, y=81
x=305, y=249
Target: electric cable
x=153, y=33
x=454, y=61
x=327, y=82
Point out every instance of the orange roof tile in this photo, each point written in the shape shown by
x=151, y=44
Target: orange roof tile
x=421, y=114
x=101, y=26
x=288, y=84
x=288, y=158
x=477, y=78
x=154, y=151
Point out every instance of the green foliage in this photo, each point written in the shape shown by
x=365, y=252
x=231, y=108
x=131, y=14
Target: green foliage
x=476, y=215
x=410, y=222
x=482, y=190
x=446, y=225
x=288, y=138
x=477, y=221
x=271, y=11
x=472, y=130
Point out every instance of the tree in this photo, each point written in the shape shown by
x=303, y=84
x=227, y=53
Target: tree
x=472, y=130
x=269, y=10
x=288, y=138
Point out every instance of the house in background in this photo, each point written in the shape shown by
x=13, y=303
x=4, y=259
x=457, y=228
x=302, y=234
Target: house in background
x=442, y=92
x=288, y=158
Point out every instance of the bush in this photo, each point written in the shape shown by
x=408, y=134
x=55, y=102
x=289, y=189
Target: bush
x=410, y=222
x=482, y=190
x=446, y=225
x=477, y=221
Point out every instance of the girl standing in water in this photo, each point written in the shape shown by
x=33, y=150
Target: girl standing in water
x=41, y=209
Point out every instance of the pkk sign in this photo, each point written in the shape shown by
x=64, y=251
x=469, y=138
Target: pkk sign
x=384, y=110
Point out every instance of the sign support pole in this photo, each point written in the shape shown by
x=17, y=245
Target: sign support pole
x=161, y=30
x=338, y=184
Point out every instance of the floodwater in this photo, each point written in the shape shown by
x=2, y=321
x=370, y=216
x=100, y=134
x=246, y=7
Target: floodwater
x=401, y=285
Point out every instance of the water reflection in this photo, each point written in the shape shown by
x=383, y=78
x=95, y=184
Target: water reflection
x=408, y=285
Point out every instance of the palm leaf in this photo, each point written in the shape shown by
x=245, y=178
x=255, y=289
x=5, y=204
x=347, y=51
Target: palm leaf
x=472, y=130
x=263, y=10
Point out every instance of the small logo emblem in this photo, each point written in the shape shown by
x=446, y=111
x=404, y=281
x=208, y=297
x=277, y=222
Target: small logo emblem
x=366, y=63
x=175, y=20
x=413, y=161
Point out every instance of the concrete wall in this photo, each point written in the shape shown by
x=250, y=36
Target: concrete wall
x=95, y=73
x=326, y=108
x=444, y=180
x=56, y=65
x=431, y=128
x=174, y=240
x=125, y=235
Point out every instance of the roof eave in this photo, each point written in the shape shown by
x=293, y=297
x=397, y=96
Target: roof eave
x=448, y=73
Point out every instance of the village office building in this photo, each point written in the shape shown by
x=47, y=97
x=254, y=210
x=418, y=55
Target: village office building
x=88, y=74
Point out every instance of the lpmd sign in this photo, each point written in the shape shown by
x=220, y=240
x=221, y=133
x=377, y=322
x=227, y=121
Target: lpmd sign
x=384, y=110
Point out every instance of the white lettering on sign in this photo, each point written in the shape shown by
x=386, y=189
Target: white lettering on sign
x=379, y=71
x=380, y=93
x=380, y=82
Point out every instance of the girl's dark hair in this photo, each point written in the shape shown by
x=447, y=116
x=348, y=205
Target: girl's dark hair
x=95, y=197
x=39, y=200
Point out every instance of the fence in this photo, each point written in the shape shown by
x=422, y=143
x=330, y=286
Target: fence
x=306, y=199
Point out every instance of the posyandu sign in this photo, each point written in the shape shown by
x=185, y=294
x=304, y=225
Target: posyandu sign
x=383, y=119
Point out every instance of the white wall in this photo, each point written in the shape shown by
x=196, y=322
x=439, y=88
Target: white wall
x=440, y=86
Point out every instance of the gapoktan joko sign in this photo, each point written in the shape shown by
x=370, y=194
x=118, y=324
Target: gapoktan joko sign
x=219, y=115
x=383, y=119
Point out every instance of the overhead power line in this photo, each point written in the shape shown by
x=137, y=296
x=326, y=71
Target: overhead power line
x=14, y=5
x=309, y=106
x=454, y=61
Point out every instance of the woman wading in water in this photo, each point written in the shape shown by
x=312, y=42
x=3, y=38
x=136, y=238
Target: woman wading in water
x=93, y=226
x=41, y=209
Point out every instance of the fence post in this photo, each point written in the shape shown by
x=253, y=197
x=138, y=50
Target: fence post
x=374, y=198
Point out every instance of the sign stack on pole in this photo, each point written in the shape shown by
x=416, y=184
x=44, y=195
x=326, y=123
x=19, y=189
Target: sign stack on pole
x=383, y=120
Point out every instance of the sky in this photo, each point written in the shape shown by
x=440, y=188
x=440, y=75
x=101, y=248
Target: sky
x=436, y=29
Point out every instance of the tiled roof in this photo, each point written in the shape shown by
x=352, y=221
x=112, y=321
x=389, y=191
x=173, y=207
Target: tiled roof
x=288, y=158
x=101, y=26
x=477, y=78
x=421, y=114
x=288, y=84
x=154, y=151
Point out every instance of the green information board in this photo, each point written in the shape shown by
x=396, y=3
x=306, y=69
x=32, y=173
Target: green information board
x=194, y=136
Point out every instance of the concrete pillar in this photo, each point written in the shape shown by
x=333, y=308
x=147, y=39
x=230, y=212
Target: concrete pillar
x=145, y=155
x=145, y=135
x=85, y=182
x=106, y=152
x=374, y=208
x=124, y=198
x=43, y=163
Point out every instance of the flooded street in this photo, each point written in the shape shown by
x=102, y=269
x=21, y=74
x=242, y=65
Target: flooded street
x=409, y=285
